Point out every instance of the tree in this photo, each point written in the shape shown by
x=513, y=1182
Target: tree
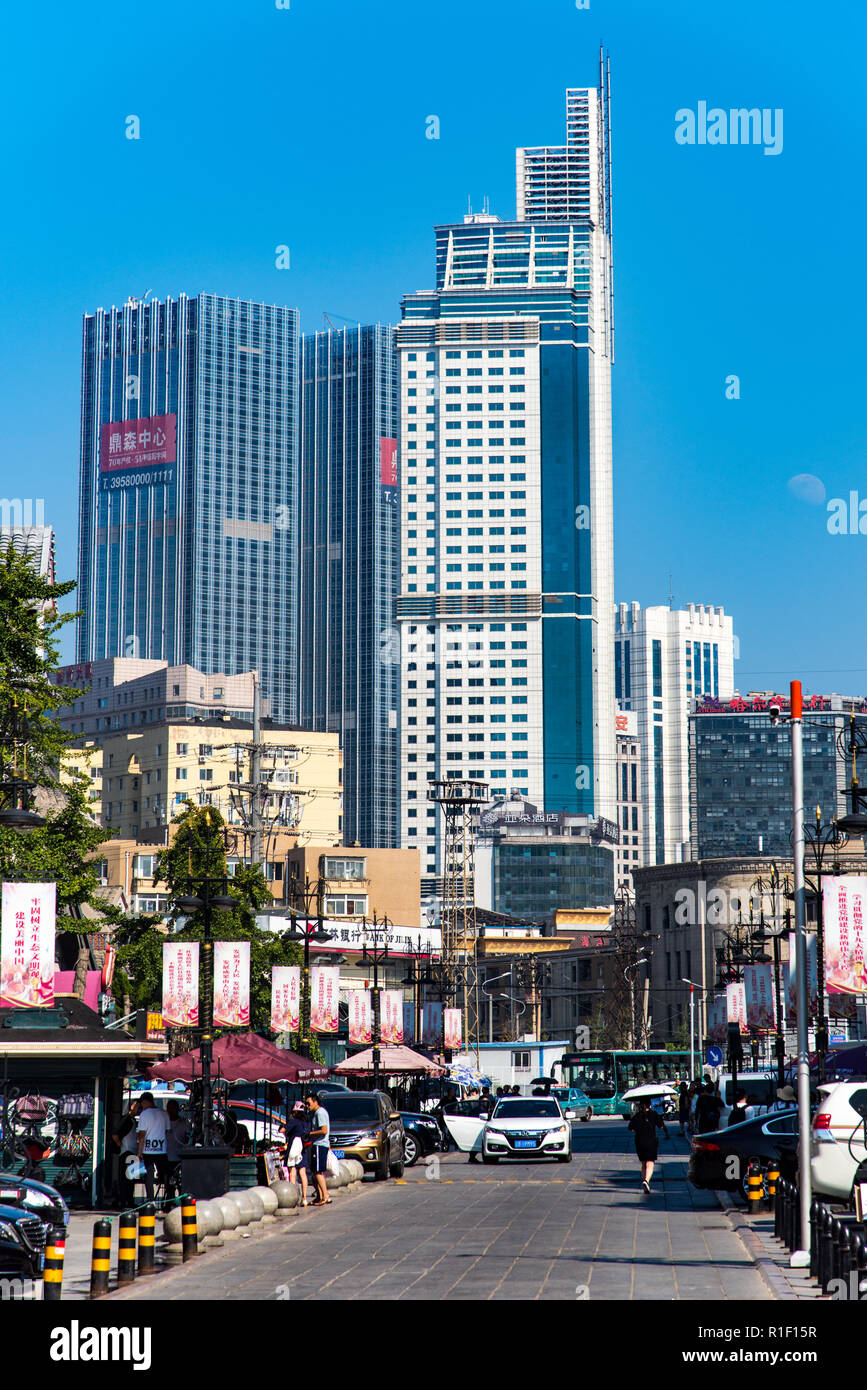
x=32, y=748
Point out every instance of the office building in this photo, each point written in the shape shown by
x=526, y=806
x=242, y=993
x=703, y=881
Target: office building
x=630, y=809
x=663, y=659
x=740, y=771
x=188, y=496
x=506, y=512
x=349, y=569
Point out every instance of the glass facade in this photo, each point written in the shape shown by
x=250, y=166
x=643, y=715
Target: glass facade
x=532, y=880
x=349, y=570
x=741, y=779
x=194, y=560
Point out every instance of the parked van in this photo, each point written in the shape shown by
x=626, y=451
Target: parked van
x=761, y=1089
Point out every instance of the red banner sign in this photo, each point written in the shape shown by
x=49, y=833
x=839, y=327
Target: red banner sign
x=138, y=443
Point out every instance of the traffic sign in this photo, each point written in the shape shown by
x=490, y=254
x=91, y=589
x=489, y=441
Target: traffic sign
x=714, y=1056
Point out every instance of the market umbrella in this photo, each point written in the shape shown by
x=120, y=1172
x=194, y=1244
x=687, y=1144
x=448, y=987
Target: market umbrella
x=393, y=1061
x=241, y=1057
x=637, y=1092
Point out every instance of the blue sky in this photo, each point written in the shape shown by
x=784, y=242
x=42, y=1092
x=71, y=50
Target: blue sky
x=306, y=127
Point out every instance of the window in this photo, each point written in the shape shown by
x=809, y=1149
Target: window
x=345, y=905
x=344, y=869
x=144, y=865
x=521, y=1061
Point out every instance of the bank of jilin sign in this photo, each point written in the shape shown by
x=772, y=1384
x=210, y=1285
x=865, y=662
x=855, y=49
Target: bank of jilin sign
x=128, y=446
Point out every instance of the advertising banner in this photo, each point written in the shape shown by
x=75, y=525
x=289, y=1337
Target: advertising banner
x=432, y=1024
x=453, y=1031
x=285, y=998
x=716, y=1019
x=137, y=451
x=360, y=1016
x=843, y=906
x=391, y=1015
x=409, y=1023
x=232, y=984
x=812, y=980
x=27, y=945
x=736, y=1005
x=759, y=992
x=324, y=998
x=180, y=984
x=388, y=467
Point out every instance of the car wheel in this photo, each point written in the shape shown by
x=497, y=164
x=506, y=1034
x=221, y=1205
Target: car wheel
x=396, y=1169
x=411, y=1149
x=380, y=1172
x=490, y=1158
x=588, y=1116
x=564, y=1158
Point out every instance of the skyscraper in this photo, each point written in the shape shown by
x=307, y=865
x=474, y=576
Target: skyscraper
x=188, y=499
x=348, y=528
x=665, y=659
x=507, y=580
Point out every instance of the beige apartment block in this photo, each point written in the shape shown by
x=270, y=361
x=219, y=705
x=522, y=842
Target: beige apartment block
x=141, y=779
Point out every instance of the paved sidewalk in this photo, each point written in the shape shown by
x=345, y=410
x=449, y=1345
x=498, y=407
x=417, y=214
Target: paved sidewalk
x=455, y=1231
x=770, y=1254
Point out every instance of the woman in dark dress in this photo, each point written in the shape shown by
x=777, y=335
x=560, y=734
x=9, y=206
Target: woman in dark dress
x=644, y=1124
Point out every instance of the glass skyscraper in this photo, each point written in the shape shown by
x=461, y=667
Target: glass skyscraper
x=506, y=497
x=349, y=570
x=188, y=500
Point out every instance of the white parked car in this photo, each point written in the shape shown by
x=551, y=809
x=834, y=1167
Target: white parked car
x=520, y=1127
x=837, y=1136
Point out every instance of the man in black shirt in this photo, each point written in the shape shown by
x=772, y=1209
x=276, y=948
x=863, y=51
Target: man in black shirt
x=707, y=1109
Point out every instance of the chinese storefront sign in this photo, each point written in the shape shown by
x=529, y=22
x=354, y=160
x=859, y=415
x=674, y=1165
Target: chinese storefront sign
x=27, y=945
x=360, y=1016
x=285, y=998
x=324, y=998
x=181, y=983
x=232, y=984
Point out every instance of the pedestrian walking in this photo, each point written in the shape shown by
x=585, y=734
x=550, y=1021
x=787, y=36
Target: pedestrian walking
x=320, y=1136
x=153, y=1126
x=707, y=1109
x=738, y=1112
x=176, y=1135
x=683, y=1104
x=645, y=1125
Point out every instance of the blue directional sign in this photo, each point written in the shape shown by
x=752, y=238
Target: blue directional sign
x=714, y=1056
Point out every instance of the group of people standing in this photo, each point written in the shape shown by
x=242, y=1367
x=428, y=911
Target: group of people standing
x=306, y=1143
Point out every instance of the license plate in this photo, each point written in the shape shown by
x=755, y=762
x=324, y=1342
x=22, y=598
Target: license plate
x=525, y=1143
x=14, y=1193
x=339, y=1153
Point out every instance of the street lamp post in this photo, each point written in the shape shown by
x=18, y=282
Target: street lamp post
x=416, y=977
x=491, y=980
x=774, y=886
x=311, y=931
x=375, y=953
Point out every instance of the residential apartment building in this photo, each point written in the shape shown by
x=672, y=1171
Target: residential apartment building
x=630, y=819
x=663, y=660
x=506, y=511
x=131, y=693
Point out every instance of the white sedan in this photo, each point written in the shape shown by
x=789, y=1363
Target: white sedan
x=519, y=1127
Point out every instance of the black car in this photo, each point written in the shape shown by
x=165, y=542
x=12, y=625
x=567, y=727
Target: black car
x=421, y=1136
x=37, y=1198
x=720, y=1159
x=23, y=1238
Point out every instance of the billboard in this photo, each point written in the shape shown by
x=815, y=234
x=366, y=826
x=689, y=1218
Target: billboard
x=432, y=1024
x=136, y=452
x=843, y=907
x=181, y=983
x=736, y=1005
x=759, y=992
x=388, y=469
x=812, y=980
x=285, y=998
x=232, y=984
x=391, y=1015
x=716, y=1019
x=360, y=1016
x=453, y=1030
x=27, y=945
x=324, y=998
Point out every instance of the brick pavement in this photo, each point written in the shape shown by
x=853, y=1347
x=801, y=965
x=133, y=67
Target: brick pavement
x=528, y=1231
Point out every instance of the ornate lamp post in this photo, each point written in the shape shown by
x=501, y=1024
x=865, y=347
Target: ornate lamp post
x=309, y=931
x=415, y=978
x=375, y=953
x=775, y=887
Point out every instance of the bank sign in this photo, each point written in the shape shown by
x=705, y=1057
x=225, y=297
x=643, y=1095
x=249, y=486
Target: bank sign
x=136, y=452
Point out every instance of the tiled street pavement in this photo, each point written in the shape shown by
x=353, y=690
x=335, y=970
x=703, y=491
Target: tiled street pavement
x=527, y=1231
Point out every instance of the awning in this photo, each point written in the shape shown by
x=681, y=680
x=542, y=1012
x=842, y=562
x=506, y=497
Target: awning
x=393, y=1061
x=242, y=1057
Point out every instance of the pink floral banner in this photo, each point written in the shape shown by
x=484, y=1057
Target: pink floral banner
x=360, y=1016
x=324, y=998
x=843, y=904
x=232, y=984
x=27, y=945
x=736, y=1005
x=452, y=1024
x=285, y=998
x=391, y=1015
x=181, y=983
x=759, y=991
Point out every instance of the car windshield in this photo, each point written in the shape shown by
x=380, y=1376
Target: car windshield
x=526, y=1110
x=352, y=1109
x=562, y=1093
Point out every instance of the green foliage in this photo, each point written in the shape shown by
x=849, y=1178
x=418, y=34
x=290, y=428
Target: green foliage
x=139, y=967
x=32, y=743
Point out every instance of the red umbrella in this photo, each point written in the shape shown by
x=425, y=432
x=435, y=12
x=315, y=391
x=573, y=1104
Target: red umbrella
x=241, y=1057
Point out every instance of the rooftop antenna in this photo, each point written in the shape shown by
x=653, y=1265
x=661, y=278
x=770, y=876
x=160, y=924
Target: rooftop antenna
x=670, y=594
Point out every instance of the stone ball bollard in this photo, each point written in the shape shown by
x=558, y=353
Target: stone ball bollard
x=209, y=1223
x=258, y=1208
x=346, y=1173
x=268, y=1200
x=288, y=1196
x=357, y=1168
x=172, y=1224
x=231, y=1217
x=246, y=1208
x=333, y=1183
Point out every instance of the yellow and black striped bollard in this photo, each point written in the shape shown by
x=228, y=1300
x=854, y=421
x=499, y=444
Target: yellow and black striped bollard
x=755, y=1189
x=126, y=1248
x=100, y=1261
x=773, y=1177
x=146, y=1240
x=189, y=1230
x=52, y=1277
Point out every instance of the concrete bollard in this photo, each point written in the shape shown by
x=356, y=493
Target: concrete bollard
x=755, y=1189
x=257, y=1219
x=52, y=1274
x=288, y=1196
x=212, y=1221
x=126, y=1266
x=773, y=1177
x=146, y=1249
x=189, y=1229
x=100, y=1259
x=269, y=1202
x=245, y=1207
x=231, y=1217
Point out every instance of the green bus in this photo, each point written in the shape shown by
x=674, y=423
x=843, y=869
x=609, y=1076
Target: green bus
x=604, y=1076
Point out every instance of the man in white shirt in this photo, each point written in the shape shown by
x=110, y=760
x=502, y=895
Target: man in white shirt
x=320, y=1135
x=153, y=1126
